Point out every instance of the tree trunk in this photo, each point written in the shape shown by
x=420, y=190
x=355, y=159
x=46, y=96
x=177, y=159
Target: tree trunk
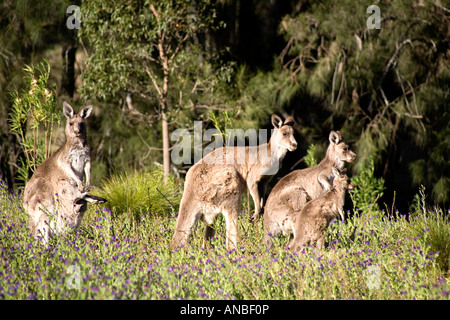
x=68, y=76
x=165, y=122
x=166, y=146
x=164, y=61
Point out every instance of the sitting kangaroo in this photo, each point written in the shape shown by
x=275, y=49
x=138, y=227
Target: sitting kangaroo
x=294, y=190
x=55, y=197
x=215, y=184
x=312, y=221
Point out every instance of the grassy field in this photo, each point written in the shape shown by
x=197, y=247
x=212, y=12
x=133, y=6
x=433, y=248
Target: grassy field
x=372, y=255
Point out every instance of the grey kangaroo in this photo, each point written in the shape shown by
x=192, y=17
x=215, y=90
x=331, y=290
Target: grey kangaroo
x=297, y=188
x=215, y=184
x=55, y=197
x=311, y=223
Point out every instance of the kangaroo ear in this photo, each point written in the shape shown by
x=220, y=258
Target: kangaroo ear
x=335, y=137
x=289, y=121
x=86, y=112
x=67, y=110
x=276, y=121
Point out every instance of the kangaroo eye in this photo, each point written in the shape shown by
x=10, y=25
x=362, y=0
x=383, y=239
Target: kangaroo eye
x=284, y=134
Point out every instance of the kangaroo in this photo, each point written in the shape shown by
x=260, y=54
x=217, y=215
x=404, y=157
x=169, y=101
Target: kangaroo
x=312, y=221
x=55, y=194
x=215, y=184
x=299, y=187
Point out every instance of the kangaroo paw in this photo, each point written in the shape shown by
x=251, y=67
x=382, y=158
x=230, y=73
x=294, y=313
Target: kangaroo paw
x=254, y=218
x=94, y=199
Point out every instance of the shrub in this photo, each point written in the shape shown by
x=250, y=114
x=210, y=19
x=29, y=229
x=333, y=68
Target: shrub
x=33, y=118
x=431, y=226
x=310, y=158
x=368, y=189
x=139, y=192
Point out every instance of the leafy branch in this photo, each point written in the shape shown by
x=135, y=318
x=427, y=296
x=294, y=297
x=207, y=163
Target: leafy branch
x=33, y=118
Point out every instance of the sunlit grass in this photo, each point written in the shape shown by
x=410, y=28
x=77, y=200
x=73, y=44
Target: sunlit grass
x=135, y=193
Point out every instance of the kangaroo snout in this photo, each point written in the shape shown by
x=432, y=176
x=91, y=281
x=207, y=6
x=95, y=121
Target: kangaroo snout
x=293, y=146
x=352, y=156
x=77, y=129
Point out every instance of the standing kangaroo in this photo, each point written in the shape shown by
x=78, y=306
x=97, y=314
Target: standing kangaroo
x=294, y=190
x=55, y=197
x=313, y=220
x=215, y=184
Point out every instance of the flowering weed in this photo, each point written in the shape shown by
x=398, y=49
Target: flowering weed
x=373, y=255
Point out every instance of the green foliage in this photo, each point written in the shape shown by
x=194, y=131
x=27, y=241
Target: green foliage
x=136, y=193
x=222, y=122
x=368, y=189
x=433, y=168
x=425, y=234
x=419, y=203
x=28, y=30
x=432, y=226
x=432, y=229
x=147, y=49
x=120, y=142
x=261, y=94
x=35, y=20
x=33, y=118
x=310, y=158
x=380, y=86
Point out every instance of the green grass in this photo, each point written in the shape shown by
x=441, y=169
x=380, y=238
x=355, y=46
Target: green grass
x=135, y=193
x=373, y=255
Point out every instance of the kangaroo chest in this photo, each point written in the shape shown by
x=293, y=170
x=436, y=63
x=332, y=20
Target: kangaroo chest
x=77, y=160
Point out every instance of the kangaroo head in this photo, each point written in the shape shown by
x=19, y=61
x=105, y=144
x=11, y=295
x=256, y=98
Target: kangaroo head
x=75, y=126
x=338, y=151
x=283, y=135
x=341, y=180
